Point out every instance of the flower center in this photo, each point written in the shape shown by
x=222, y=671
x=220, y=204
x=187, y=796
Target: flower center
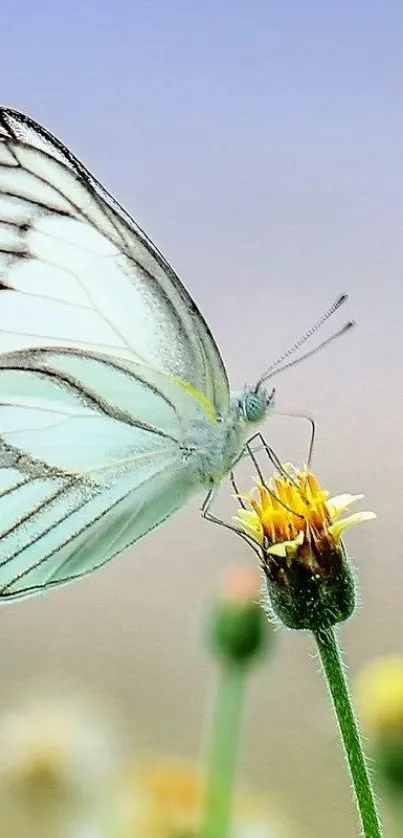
x=290, y=505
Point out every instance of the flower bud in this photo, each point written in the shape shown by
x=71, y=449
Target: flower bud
x=240, y=631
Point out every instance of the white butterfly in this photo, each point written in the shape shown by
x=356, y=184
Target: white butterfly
x=114, y=401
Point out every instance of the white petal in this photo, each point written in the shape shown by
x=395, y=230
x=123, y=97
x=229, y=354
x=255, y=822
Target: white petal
x=285, y=548
x=339, y=503
x=340, y=526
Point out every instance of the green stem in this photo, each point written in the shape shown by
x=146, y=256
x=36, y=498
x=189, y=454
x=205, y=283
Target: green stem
x=224, y=749
x=337, y=684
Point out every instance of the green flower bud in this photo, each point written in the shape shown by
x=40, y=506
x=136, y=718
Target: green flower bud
x=240, y=632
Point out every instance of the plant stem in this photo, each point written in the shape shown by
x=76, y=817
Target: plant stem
x=333, y=669
x=224, y=749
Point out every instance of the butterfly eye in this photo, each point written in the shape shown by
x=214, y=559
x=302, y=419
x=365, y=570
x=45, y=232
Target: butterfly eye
x=255, y=406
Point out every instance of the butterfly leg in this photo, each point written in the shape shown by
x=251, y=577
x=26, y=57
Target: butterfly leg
x=312, y=435
x=207, y=504
x=214, y=519
x=275, y=462
x=274, y=459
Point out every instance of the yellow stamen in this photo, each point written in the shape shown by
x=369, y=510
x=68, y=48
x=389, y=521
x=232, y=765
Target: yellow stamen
x=293, y=506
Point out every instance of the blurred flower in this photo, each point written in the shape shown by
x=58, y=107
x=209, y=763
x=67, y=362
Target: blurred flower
x=379, y=693
x=239, y=629
x=56, y=758
x=241, y=586
x=163, y=798
x=299, y=527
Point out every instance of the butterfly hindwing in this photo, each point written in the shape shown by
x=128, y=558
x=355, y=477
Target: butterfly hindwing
x=75, y=528
x=80, y=478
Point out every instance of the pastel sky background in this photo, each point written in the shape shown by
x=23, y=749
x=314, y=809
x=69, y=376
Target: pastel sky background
x=260, y=145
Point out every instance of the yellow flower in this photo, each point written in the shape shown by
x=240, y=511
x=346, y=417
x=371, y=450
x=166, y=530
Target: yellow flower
x=293, y=509
x=298, y=527
x=379, y=691
x=163, y=798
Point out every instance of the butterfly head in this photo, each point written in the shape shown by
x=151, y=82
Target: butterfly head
x=257, y=404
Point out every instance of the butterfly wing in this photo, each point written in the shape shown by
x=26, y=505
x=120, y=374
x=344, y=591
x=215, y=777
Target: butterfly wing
x=105, y=362
x=77, y=271
x=80, y=477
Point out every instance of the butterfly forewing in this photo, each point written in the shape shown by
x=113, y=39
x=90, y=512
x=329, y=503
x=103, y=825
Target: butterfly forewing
x=71, y=225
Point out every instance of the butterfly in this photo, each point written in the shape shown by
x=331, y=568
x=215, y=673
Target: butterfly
x=115, y=407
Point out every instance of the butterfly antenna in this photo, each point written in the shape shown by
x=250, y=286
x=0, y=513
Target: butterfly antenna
x=306, y=336
x=346, y=328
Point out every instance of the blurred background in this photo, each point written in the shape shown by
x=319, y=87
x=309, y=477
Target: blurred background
x=259, y=144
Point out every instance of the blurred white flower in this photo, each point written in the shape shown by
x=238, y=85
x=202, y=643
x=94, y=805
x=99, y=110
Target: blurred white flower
x=57, y=755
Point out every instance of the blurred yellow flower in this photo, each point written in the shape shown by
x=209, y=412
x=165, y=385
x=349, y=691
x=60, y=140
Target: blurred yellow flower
x=163, y=798
x=379, y=692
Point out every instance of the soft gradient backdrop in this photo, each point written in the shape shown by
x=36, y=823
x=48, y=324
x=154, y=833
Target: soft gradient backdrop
x=260, y=145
